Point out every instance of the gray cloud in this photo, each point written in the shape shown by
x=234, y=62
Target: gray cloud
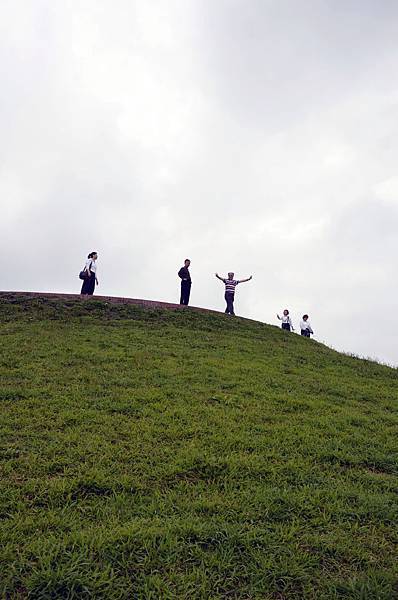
x=251, y=136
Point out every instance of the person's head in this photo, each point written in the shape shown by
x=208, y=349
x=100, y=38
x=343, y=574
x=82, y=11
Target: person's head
x=93, y=255
x=305, y=317
x=231, y=275
x=187, y=262
x=285, y=312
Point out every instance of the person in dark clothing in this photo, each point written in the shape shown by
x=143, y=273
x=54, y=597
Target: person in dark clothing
x=230, y=285
x=186, y=282
x=90, y=280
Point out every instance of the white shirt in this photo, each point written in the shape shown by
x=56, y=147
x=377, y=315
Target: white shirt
x=286, y=319
x=93, y=264
x=305, y=325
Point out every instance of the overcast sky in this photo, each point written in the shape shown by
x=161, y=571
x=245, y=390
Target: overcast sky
x=258, y=136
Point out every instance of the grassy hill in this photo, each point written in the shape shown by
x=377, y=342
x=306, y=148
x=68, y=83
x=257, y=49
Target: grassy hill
x=178, y=454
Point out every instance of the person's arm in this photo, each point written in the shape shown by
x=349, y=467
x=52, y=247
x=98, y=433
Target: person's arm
x=280, y=318
x=291, y=323
x=243, y=280
x=310, y=328
x=180, y=274
x=220, y=278
x=88, y=267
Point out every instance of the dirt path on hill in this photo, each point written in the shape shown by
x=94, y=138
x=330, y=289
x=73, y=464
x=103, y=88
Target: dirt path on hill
x=112, y=299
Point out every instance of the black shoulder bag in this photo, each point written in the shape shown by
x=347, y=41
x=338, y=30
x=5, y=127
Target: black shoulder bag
x=84, y=274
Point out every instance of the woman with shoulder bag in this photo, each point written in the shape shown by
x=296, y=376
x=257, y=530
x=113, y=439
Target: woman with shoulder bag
x=90, y=275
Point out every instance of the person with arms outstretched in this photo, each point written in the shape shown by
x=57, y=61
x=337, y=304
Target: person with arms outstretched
x=230, y=285
x=186, y=282
x=286, y=321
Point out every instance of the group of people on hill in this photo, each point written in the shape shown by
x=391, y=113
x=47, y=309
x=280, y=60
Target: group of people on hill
x=305, y=327
x=90, y=280
x=230, y=285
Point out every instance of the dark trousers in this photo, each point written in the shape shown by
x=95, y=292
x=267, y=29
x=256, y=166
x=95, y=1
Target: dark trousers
x=286, y=326
x=305, y=333
x=185, y=292
x=229, y=299
x=89, y=285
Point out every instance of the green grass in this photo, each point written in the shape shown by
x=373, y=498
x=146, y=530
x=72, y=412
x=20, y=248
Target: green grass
x=179, y=454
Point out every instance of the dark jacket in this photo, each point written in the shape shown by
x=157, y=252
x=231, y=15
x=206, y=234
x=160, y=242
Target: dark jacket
x=184, y=274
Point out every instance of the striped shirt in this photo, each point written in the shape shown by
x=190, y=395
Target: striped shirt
x=230, y=285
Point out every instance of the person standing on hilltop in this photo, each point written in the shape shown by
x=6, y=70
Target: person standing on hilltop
x=305, y=327
x=230, y=285
x=186, y=282
x=90, y=278
x=286, y=321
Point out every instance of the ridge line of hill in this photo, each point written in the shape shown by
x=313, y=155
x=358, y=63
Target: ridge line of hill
x=113, y=299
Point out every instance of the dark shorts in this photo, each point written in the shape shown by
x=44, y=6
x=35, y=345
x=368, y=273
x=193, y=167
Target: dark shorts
x=286, y=326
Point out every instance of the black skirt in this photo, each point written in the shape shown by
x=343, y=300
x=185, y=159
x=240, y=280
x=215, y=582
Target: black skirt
x=286, y=326
x=89, y=285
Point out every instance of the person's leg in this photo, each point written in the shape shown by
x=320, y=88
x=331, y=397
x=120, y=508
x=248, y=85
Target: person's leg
x=227, y=301
x=185, y=290
x=231, y=304
x=187, y=293
x=91, y=284
x=86, y=286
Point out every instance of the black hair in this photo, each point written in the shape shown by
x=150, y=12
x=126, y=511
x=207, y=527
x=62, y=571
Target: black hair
x=187, y=259
x=305, y=316
x=92, y=254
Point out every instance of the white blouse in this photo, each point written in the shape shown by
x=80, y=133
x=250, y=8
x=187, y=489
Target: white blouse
x=93, y=264
x=305, y=325
x=286, y=319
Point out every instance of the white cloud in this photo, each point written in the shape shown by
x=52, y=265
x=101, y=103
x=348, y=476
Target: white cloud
x=387, y=191
x=256, y=137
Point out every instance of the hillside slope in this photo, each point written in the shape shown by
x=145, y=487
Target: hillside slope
x=178, y=454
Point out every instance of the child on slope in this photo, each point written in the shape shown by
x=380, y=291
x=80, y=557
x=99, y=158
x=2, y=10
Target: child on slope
x=286, y=321
x=305, y=327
